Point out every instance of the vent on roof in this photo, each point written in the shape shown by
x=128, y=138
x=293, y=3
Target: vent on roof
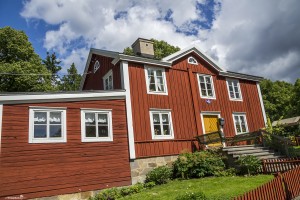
x=143, y=47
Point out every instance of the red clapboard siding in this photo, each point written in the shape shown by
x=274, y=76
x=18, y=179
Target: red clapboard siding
x=180, y=101
x=94, y=81
x=38, y=170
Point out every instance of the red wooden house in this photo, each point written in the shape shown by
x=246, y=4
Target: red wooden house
x=133, y=113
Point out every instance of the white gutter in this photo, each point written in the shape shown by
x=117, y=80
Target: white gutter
x=261, y=103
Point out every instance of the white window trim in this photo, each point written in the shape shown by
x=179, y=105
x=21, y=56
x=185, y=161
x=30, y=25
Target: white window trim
x=240, y=114
x=96, y=139
x=97, y=62
x=212, y=83
x=48, y=140
x=192, y=62
x=161, y=137
x=109, y=73
x=239, y=88
x=164, y=79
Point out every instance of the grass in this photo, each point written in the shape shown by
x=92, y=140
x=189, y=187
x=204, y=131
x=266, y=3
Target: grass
x=213, y=187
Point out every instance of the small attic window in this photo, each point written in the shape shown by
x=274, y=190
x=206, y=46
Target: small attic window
x=192, y=60
x=96, y=66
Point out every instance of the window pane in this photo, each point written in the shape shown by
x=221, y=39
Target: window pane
x=156, y=118
x=40, y=131
x=160, y=85
x=237, y=95
x=55, y=118
x=157, y=130
x=40, y=118
x=244, y=128
x=204, y=92
x=238, y=128
x=90, y=131
x=209, y=93
x=236, y=119
x=207, y=79
x=165, y=118
x=150, y=72
x=55, y=130
x=102, y=118
x=152, y=87
x=166, y=130
x=102, y=131
x=201, y=79
x=159, y=73
x=89, y=118
x=202, y=85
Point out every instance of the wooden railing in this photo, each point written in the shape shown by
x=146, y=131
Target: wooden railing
x=285, y=186
x=279, y=165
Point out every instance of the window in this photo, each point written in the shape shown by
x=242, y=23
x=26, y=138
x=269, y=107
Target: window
x=156, y=80
x=234, y=90
x=96, y=66
x=108, y=81
x=47, y=125
x=240, y=123
x=206, y=86
x=192, y=60
x=161, y=124
x=96, y=125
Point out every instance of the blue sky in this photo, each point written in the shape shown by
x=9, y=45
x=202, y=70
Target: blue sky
x=259, y=37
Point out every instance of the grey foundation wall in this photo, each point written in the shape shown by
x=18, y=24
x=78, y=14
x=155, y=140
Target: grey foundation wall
x=140, y=167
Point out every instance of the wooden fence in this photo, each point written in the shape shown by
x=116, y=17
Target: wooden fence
x=279, y=165
x=285, y=186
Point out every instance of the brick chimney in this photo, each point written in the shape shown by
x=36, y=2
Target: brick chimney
x=143, y=47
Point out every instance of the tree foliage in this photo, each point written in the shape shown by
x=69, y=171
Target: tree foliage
x=161, y=49
x=19, y=64
x=71, y=81
x=280, y=98
x=52, y=64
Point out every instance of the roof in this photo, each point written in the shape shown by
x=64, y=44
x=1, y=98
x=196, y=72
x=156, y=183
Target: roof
x=287, y=122
x=38, y=97
x=166, y=62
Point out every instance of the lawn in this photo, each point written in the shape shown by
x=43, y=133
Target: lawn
x=213, y=187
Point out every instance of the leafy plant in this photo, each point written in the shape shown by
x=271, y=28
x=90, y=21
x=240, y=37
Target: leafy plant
x=159, y=175
x=125, y=191
x=198, y=164
x=108, y=194
x=192, y=196
x=248, y=164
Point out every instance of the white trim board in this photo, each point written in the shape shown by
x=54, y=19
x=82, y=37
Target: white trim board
x=61, y=97
x=262, y=104
x=125, y=71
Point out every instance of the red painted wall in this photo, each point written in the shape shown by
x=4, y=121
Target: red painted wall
x=94, y=81
x=180, y=101
x=38, y=170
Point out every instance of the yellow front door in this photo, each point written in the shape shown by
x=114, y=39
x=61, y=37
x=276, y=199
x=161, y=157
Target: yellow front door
x=211, y=125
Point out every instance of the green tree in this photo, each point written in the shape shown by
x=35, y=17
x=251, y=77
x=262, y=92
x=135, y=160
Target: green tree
x=21, y=69
x=277, y=97
x=296, y=98
x=52, y=64
x=161, y=49
x=71, y=81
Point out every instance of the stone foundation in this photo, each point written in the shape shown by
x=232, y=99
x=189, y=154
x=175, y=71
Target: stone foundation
x=74, y=196
x=140, y=167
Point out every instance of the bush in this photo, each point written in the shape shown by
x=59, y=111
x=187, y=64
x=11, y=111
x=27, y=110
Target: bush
x=159, y=175
x=248, y=164
x=125, y=191
x=149, y=185
x=192, y=196
x=198, y=164
x=108, y=194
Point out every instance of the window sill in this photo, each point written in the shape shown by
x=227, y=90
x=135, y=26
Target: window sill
x=97, y=140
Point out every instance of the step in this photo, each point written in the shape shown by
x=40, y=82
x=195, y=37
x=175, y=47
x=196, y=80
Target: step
x=251, y=151
x=232, y=148
x=253, y=154
x=245, y=149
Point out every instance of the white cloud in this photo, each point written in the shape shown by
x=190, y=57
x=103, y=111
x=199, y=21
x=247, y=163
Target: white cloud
x=257, y=37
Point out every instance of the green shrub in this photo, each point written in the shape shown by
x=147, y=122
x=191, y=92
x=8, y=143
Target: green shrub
x=149, y=185
x=108, y=194
x=192, y=196
x=125, y=191
x=226, y=172
x=198, y=164
x=248, y=164
x=159, y=175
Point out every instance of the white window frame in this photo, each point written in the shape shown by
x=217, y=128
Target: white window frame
x=246, y=123
x=97, y=138
x=63, y=137
x=96, y=66
x=195, y=62
x=212, y=84
x=164, y=79
x=106, y=76
x=161, y=111
x=239, y=90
